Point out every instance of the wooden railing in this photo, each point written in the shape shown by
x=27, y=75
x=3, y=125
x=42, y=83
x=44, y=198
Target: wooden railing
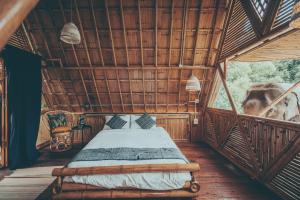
x=266, y=149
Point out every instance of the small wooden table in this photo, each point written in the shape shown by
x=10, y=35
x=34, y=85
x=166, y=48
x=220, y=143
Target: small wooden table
x=82, y=128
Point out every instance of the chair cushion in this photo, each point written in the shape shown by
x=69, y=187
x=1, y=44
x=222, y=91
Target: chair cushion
x=145, y=121
x=57, y=120
x=61, y=129
x=116, y=122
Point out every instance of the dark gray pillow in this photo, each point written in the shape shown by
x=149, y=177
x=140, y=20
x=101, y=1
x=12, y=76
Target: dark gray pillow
x=116, y=122
x=145, y=121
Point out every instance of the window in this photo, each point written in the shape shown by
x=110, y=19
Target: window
x=249, y=76
x=260, y=7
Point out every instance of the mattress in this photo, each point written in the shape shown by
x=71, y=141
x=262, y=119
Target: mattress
x=133, y=138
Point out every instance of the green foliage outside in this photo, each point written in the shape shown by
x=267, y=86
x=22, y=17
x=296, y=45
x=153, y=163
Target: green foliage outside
x=241, y=75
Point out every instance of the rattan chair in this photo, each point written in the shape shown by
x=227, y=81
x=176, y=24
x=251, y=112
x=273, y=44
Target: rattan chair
x=61, y=137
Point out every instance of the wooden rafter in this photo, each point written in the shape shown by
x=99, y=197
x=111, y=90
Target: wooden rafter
x=32, y=43
x=156, y=21
x=170, y=51
x=91, y=2
x=113, y=50
x=197, y=33
x=142, y=51
x=271, y=13
x=12, y=13
x=213, y=25
x=126, y=49
x=156, y=44
x=87, y=52
x=76, y=58
x=253, y=17
x=220, y=47
x=33, y=48
x=134, y=67
x=181, y=62
x=100, y=51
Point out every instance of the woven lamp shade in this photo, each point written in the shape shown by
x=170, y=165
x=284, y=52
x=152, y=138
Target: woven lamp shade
x=295, y=21
x=70, y=34
x=193, y=84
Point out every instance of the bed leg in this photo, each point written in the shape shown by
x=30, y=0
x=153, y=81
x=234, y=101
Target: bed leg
x=57, y=185
x=195, y=186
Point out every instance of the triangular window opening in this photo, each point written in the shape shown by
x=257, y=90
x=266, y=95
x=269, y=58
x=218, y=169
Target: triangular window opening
x=222, y=101
x=260, y=7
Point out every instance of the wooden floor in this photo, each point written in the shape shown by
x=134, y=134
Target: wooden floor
x=218, y=178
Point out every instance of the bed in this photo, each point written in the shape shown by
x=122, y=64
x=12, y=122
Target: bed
x=127, y=163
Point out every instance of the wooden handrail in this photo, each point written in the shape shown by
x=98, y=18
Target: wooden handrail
x=123, y=169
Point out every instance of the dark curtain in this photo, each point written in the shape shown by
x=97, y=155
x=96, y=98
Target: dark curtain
x=24, y=84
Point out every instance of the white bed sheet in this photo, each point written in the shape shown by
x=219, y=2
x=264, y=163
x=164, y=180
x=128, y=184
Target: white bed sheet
x=135, y=138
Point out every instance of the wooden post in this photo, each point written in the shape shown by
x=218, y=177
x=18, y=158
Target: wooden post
x=12, y=13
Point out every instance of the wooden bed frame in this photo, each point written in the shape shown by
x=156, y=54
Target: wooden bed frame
x=65, y=190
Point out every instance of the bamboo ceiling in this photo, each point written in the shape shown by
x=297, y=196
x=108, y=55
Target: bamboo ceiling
x=111, y=70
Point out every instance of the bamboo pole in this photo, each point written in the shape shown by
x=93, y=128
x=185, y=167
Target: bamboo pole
x=12, y=13
x=121, y=194
x=68, y=186
x=123, y=169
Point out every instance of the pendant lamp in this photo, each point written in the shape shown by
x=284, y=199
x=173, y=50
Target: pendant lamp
x=193, y=84
x=70, y=33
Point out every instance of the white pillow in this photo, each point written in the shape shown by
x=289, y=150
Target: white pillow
x=124, y=117
x=134, y=125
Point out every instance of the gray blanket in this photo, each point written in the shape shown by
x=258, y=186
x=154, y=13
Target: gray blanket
x=125, y=153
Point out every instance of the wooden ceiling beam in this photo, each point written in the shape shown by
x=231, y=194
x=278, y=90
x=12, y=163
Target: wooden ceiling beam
x=100, y=9
x=100, y=50
x=57, y=31
x=142, y=51
x=181, y=62
x=138, y=48
x=87, y=52
x=103, y=93
x=126, y=48
x=12, y=13
x=126, y=80
x=76, y=58
x=91, y=2
x=203, y=67
x=170, y=50
x=208, y=60
x=156, y=16
x=115, y=104
x=124, y=32
x=110, y=33
x=253, y=17
x=171, y=33
x=165, y=30
x=37, y=19
x=113, y=49
x=156, y=54
x=197, y=33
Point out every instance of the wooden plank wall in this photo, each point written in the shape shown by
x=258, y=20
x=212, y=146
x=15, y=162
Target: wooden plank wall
x=268, y=150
